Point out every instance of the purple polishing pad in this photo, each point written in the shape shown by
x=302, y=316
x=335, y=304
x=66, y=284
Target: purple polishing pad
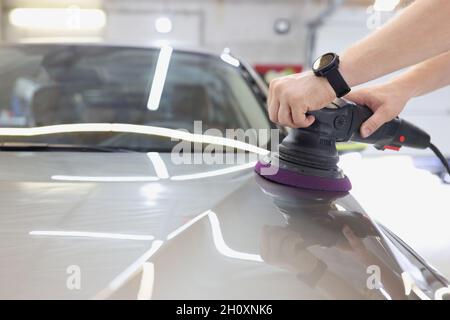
x=294, y=179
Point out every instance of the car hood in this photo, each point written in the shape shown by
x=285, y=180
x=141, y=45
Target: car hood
x=136, y=225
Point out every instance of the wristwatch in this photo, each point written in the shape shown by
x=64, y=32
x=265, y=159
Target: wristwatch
x=327, y=66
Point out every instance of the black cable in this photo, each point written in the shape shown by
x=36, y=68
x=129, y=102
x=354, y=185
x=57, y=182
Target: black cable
x=440, y=156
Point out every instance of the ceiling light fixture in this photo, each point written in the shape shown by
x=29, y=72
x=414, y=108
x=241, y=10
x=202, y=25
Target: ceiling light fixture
x=72, y=18
x=385, y=5
x=163, y=25
x=282, y=26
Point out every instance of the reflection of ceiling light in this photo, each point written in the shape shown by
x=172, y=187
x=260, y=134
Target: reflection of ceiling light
x=187, y=225
x=104, y=178
x=72, y=18
x=228, y=58
x=159, y=79
x=219, y=241
x=163, y=25
x=221, y=245
x=147, y=280
x=158, y=165
x=385, y=5
x=95, y=235
x=130, y=271
x=132, y=128
x=214, y=173
x=68, y=39
x=282, y=26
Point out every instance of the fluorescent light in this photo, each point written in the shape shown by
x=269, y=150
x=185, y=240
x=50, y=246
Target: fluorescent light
x=223, y=248
x=218, y=240
x=96, y=235
x=225, y=56
x=163, y=25
x=104, y=179
x=185, y=226
x=132, y=128
x=385, y=5
x=123, y=277
x=147, y=280
x=159, y=79
x=214, y=173
x=158, y=165
x=410, y=285
x=140, y=263
x=58, y=18
x=71, y=39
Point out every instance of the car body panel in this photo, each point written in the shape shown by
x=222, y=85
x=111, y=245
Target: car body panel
x=205, y=236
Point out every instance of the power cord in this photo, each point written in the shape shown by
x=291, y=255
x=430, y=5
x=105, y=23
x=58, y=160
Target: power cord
x=440, y=156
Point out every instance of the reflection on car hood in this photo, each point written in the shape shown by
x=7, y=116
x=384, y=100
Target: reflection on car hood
x=133, y=224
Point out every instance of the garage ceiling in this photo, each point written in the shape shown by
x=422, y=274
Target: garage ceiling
x=96, y=3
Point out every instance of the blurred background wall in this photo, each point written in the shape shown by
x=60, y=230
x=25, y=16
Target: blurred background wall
x=275, y=36
x=263, y=31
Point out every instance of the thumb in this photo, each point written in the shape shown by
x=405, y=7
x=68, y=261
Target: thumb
x=374, y=122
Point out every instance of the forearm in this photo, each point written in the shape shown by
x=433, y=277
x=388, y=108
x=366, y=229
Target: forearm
x=425, y=77
x=420, y=32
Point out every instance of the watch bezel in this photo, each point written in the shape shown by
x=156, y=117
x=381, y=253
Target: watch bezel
x=325, y=69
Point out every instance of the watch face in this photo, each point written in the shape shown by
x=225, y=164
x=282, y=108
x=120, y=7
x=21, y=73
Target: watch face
x=323, y=61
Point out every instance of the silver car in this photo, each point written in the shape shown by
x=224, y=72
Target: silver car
x=106, y=193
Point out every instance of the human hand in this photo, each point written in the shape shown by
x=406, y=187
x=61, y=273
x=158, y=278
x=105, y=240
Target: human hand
x=385, y=100
x=286, y=249
x=291, y=97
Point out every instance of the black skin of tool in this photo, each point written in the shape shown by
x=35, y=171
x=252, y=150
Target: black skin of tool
x=312, y=150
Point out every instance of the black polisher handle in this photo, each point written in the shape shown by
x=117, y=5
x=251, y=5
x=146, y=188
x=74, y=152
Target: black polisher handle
x=342, y=121
x=391, y=135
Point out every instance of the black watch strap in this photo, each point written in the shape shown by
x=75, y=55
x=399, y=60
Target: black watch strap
x=337, y=82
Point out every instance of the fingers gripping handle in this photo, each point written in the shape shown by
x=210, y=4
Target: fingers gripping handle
x=391, y=135
x=342, y=120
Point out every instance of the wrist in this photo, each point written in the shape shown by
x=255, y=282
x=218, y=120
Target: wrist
x=348, y=73
x=326, y=88
x=403, y=88
x=327, y=66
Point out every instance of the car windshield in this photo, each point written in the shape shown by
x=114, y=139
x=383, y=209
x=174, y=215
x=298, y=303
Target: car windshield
x=50, y=85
